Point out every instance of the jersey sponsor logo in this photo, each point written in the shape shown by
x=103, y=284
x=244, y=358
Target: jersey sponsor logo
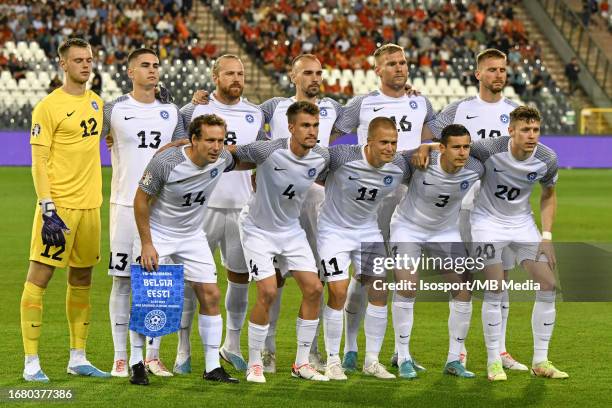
x=532, y=176
x=146, y=178
x=427, y=184
x=249, y=118
x=213, y=173
x=36, y=130
x=323, y=112
x=164, y=114
x=413, y=105
x=464, y=185
x=388, y=180
x=377, y=109
x=471, y=117
x=94, y=105
x=312, y=172
x=504, y=118
x=155, y=320
x=70, y=114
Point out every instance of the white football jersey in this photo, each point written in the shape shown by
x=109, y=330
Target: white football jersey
x=138, y=130
x=244, y=125
x=275, y=113
x=482, y=119
x=181, y=188
x=410, y=114
x=508, y=182
x=434, y=196
x=282, y=181
x=354, y=188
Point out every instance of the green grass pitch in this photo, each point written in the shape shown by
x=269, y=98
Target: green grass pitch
x=581, y=343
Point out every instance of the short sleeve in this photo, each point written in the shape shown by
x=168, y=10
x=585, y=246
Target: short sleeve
x=179, y=130
x=230, y=163
x=106, y=119
x=443, y=119
x=155, y=176
x=349, y=119
x=257, y=152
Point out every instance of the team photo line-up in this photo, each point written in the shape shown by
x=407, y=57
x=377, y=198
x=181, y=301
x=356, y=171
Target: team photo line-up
x=263, y=184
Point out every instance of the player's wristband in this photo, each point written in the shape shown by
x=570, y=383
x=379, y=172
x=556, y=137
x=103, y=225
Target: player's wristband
x=47, y=206
x=547, y=235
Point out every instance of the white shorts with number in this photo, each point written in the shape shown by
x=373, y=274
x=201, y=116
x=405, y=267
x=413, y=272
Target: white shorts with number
x=339, y=247
x=191, y=251
x=124, y=240
x=494, y=241
x=260, y=247
x=410, y=239
x=222, y=230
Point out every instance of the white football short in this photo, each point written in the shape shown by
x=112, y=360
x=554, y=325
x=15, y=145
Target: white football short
x=191, y=251
x=222, y=230
x=411, y=239
x=124, y=240
x=261, y=246
x=492, y=239
x=339, y=247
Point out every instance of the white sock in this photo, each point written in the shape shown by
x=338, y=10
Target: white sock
x=450, y=307
x=505, y=309
x=31, y=364
x=236, y=303
x=458, y=327
x=375, y=325
x=257, y=338
x=211, y=331
x=274, y=314
x=137, y=342
x=403, y=318
x=305, y=333
x=542, y=324
x=491, y=324
x=183, y=348
x=314, y=348
x=119, y=310
x=77, y=357
x=332, y=330
x=153, y=344
x=354, y=311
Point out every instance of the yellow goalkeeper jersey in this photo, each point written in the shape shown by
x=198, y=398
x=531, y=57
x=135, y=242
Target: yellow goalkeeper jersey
x=71, y=126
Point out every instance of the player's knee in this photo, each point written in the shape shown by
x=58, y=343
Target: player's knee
x=79, y=276
x=39, y=274
x=337, y=296
x=266, y=294
x=313, y=291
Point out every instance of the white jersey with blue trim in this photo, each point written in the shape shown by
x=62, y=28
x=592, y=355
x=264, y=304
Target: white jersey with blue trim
x=275, y=113
x=508, y=182
x=244, y=125
x=410, y=114
x=138, y=130
x=181, y=188
x=434, y=196
x=282, y=181
x=354, y=188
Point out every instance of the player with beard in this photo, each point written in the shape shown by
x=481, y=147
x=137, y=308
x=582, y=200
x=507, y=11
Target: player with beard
x=244, y=125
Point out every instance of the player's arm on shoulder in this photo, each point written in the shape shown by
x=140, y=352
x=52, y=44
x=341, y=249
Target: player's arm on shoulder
x=200, y=97
x=348, y=118
x=426, y=133
x=234, y=162
x=255, y=152
x=420, y=156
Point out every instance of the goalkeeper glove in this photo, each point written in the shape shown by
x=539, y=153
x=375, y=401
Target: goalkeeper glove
x=53, y=227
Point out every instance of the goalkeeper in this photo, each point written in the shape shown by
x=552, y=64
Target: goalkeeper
x=65, y=139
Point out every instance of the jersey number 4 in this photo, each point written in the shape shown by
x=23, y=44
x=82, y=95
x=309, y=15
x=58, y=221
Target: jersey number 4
x=143, y=139
x=289, y=192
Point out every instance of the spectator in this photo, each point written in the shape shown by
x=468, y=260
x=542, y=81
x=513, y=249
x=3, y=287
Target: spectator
x=572, y=69
x=96, y=82
x=17, y=67
x=537, y=83
x=55, y=83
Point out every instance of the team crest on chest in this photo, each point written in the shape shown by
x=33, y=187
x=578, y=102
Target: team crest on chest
x=94, y=105
x=532, y=176
x=504, y=118
x=312, y=172
x=388, y=180
x=323, y=112
x=413, y=104
x=464, y=185
x=213, y=173
x=249, y=118
x=164, y=114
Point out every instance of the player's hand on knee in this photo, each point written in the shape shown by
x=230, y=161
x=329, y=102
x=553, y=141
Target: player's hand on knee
x=149, y=258
x=200, y=97
x=54, y=228
x=546, y=248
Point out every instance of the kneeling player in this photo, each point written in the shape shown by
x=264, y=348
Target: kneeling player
x=169, y=216
x=359, y=178
x=426, y=219
x=502, y=218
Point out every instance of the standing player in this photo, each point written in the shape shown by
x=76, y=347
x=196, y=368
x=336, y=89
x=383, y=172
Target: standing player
x=269, y=227
x=485, y=116
x=306, y=73
x=244, y=125
x=426, y=219
x=411, y=115
x=139, y=124
x=359, y=178
x=169, y=217
x=66, y=170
